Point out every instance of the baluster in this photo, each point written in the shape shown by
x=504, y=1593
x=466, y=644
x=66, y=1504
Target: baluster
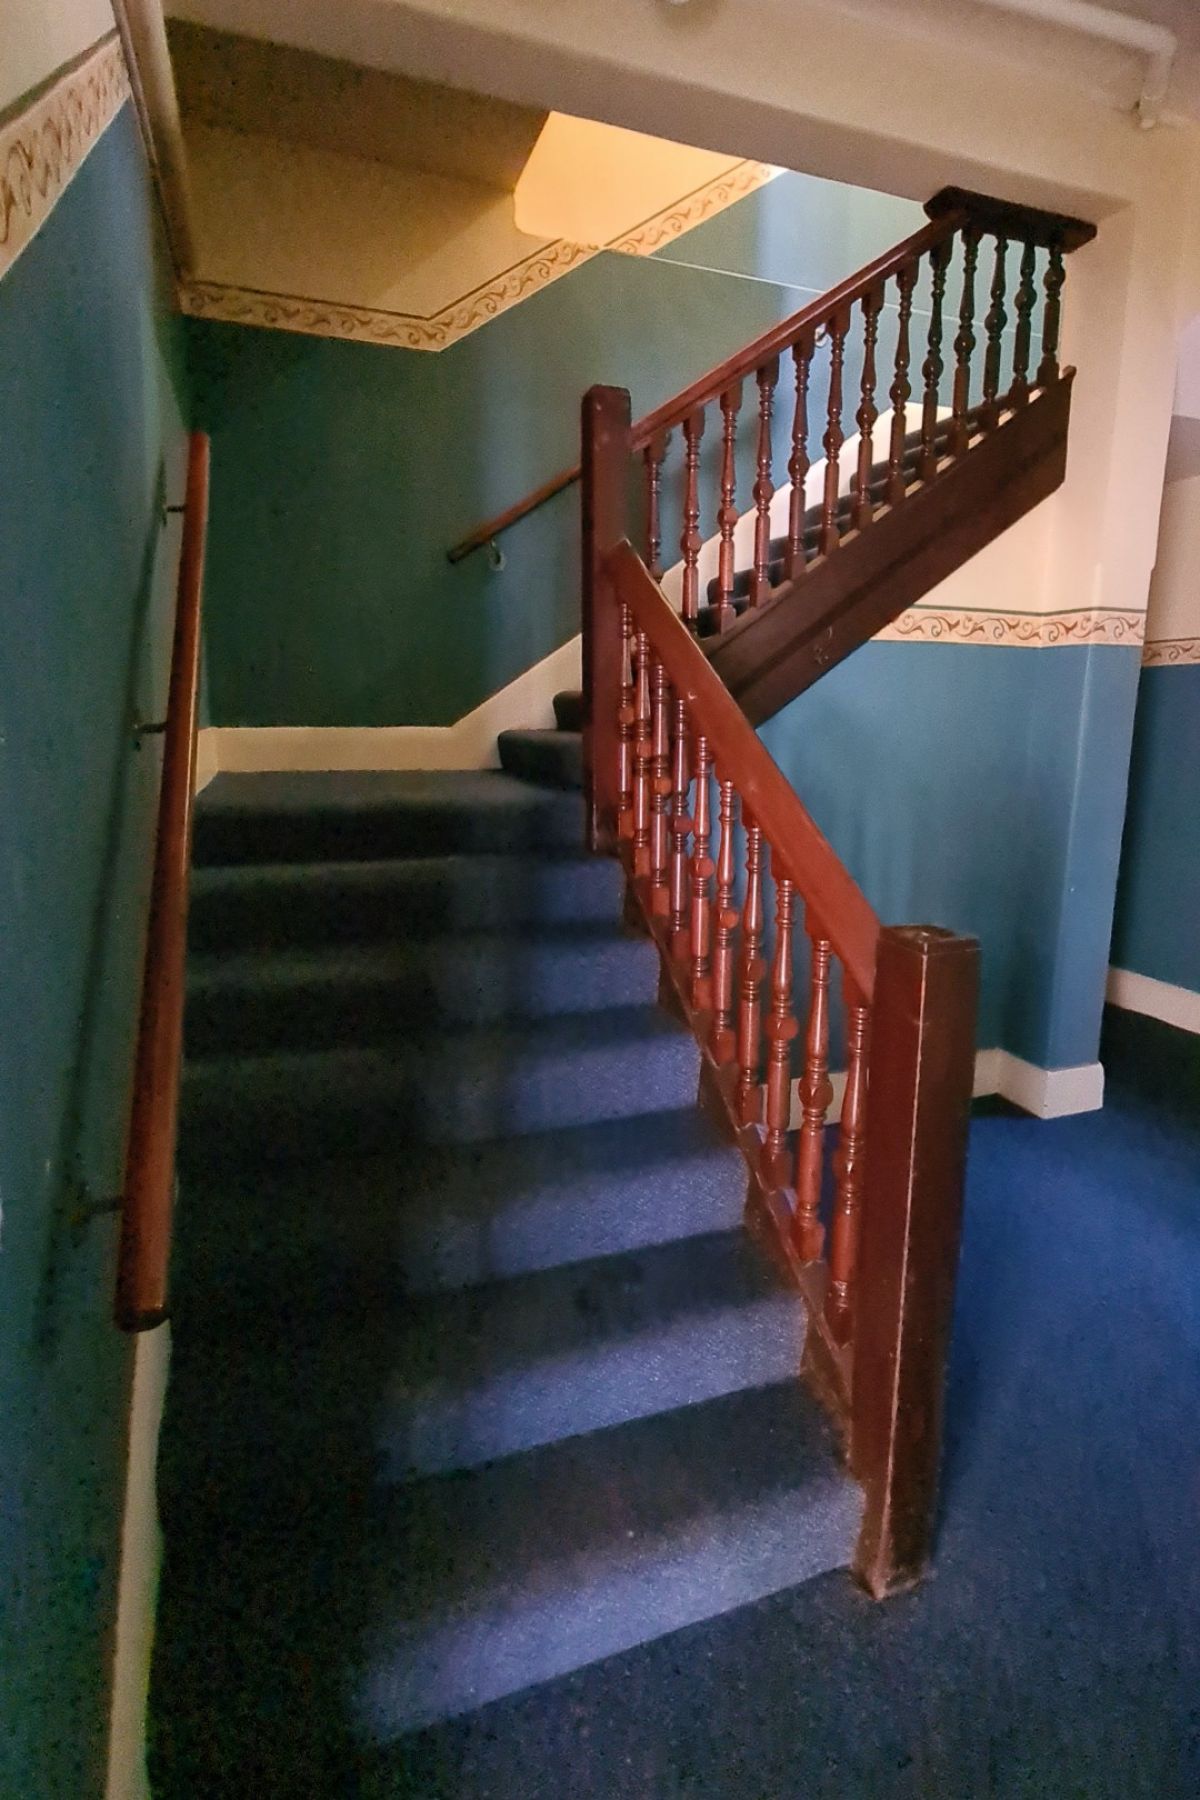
x=764, y=490
x=642, y=743
x=848, y=1167
x=901, y=388
x=933, y=365
x=993, y=325
x=816, y=1093
x=721, y=1039
x=1026, y=298
x=835, y=436
x=964, y=345
x=781, y=1029
x=626, y=717
x=1051, y=318
x=653, y=457
x=753, y=968
x=681, y=826
x=798, y=463
x=702, y=872
x=868, y=411
x=727, y=513
x=660, y=788
x=690, y=541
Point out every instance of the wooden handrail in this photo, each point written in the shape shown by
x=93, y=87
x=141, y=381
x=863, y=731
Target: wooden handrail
x=803, y=854
x=148, y=1189
x=708, y=386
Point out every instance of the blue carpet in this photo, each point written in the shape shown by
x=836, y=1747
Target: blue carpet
x=1056, y=1650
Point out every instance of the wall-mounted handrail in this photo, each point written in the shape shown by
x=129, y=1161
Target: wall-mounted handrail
x=802, y=853
x=148, y=1189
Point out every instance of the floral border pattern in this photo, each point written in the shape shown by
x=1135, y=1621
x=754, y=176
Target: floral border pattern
x=1165, y=653
x=930, y=625
x=42, y=147
x=236, y=305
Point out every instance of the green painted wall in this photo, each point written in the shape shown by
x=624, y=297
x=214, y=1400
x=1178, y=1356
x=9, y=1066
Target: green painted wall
x=91, y=403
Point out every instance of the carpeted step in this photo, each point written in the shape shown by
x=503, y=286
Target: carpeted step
x=452, y=1381
x=448, y=1087
x=484, y=1584
x=568, y=710
x=279, y=904
x=314, y=817
x=314, y=998
x=551, y=759
x=338, y=1236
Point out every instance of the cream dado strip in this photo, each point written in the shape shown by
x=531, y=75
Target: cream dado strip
x=43, y=145
x=1164, y=653
x=317, y=317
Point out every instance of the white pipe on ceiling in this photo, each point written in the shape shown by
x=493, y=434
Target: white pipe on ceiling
x=1155, y=42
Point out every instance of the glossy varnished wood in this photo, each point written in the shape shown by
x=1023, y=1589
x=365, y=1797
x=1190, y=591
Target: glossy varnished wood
x=143, y=1257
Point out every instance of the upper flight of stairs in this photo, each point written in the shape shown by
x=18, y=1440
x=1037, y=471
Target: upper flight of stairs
x=476, y=1377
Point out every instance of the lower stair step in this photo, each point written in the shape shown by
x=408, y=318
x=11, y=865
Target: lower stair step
x=548, y=758
x=339, y=1236
x=458, y=1087
x=484, y=1584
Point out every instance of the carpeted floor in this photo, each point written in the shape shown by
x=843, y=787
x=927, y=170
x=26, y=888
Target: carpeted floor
x=1056, y=1651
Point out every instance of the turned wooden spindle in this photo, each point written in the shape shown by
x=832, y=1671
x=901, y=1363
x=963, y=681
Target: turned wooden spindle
x=722, y=1040
x=764, y=491
x=868, y=411
x=964, y=345
x=798, y=462
x=816, y=1095
x=727, y=513
x=848, y=1168
x=702, y=873
x=1025, y=301
x=626, y=720
x=653, y=457
x=931, y=369
x=642, y=746
x=781, y=1028
x=681, y=826
x=835, y=435
x=690, y=541
x=1051, y=317
x=751, y=972
x=901, y=388
x=993, y=326
x=660, y=788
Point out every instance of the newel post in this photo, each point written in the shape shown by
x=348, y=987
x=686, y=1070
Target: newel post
x=605, y=464
x=918, y=1110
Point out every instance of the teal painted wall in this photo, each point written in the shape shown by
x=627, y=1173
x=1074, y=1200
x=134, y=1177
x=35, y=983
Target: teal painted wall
x=1158, y=911
x=981, y=789
x=91, y=402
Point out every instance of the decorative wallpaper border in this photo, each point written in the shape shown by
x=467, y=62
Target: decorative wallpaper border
x=932, y=625
x=437, y=331
x=44, y=145
x=1166, y=653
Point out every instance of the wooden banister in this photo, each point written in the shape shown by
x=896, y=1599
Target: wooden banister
x=148, y=1188
x=802, y=854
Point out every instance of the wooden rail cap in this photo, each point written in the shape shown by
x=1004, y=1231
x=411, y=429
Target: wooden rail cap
x=1008, y=219
x=144, y=1252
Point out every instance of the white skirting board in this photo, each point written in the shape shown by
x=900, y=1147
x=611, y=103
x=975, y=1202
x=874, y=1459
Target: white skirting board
x=469, y=744
x=1178, y=1006
x=1046, y=1093
x=137, y=1588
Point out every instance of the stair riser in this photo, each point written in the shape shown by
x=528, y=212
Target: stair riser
x=512, y=982
x=549, y=760
x=545, y=821
x=390, y=1103
x=696, y=1359
x=230, y=912
x=422, y=1676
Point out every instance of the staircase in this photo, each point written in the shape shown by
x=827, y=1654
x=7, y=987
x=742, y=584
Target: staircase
x=475, y=1377
x=478, y=1376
